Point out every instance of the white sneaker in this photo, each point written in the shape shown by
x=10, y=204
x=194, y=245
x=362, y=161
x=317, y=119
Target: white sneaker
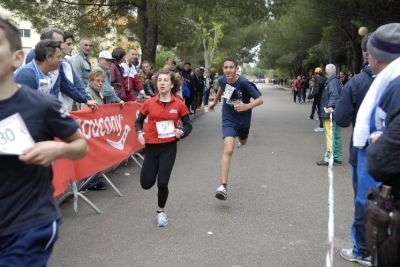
x=162, y=219
x=221, y=193
x=347, y=254
x=318, y=130
x=238, y=144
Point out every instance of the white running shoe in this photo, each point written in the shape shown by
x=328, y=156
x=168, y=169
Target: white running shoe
x=238, y=144
x=347, y=254
x=162, y=219
x=318, y=130
x=221, y=193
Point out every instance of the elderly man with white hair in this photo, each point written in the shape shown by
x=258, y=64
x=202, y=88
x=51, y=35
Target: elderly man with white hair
x=330, y=97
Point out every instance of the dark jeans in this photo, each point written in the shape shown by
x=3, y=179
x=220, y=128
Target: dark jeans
x=158, y=162
x=296, y=94
x=360, y=220
x=304, y=94
x=206, y=97
x=316, y=107
x=32, y=247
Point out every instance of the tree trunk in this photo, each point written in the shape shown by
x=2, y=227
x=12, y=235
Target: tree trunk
x=148, y=34
x=356, y=62
x=357, y=59
x=206, y=55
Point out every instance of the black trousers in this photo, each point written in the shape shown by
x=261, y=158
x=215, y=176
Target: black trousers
x=157, y=166
x=296, y=94
x=316, y=106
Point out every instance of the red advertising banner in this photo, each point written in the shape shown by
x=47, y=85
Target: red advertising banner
x=111, y=138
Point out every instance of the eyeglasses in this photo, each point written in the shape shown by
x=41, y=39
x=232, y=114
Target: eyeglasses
x=89, y=45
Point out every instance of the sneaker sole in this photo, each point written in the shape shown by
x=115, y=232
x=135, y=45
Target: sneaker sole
x=162, y=225
x=221, y=196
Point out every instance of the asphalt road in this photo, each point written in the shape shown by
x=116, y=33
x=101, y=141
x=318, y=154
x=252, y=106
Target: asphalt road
x=276, y=213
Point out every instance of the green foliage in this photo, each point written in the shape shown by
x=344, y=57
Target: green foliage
x=200, y=31
x=303, y=34
x=252, y=72
x=220, y=29
x=161, y=57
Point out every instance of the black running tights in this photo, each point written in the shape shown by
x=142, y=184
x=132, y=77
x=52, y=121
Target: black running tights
x=158, y=162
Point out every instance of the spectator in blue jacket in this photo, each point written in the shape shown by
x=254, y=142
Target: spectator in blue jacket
x=345, y=115
x=37, y=73
x=59, y=80
x=45, y=73
x=330, y=97
x=383, y=49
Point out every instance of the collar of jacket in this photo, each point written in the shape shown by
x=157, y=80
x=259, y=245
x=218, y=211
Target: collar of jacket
x=86, y=57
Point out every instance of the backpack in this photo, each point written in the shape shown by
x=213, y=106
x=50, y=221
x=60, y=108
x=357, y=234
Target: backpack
x=185, y=89
x=254, y=86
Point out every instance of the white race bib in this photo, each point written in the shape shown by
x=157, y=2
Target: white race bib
x=165, y=129
x=45, y=86
x=228, y=92
x=14, y=136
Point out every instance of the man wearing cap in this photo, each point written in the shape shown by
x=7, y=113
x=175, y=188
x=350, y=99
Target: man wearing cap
x=345, y=115
x=316, y=95
x=380, y=102
x=104, y=62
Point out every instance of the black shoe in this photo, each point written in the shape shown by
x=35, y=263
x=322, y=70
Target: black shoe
x=97, y=187
x=337, y=162
x=322, y=163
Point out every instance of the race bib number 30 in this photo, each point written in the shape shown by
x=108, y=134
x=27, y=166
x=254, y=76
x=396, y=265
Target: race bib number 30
x=165, y=129
x=14, y=136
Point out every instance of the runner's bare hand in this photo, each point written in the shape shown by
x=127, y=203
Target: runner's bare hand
x=141, y=138
x=240, y=107
x=42, y=153
x=211, y=106
x=178, y=133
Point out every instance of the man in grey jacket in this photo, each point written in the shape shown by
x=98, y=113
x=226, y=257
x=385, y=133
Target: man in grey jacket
x=81, y=61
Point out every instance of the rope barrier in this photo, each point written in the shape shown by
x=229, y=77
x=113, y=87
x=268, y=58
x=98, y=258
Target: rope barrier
x=331, y=201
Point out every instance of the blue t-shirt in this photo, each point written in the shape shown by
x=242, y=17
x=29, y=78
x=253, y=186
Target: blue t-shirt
x=26, y=191
x=243, y=91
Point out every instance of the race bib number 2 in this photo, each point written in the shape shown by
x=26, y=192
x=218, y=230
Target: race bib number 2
x=165, y=129
x=228, y=92
x=14, y=136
